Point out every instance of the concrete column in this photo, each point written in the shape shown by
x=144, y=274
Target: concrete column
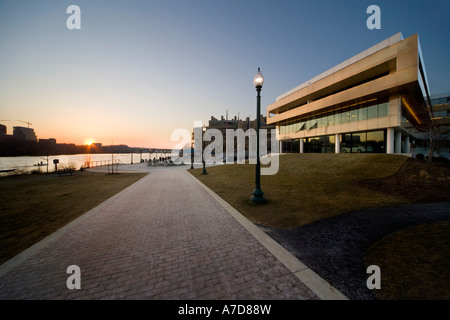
x=390, y=141
x=398, y=142
x=337, y=143
x=406, y=148
x=281, y=147
x=302, y=145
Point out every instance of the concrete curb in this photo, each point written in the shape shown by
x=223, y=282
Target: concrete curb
x=317, y=284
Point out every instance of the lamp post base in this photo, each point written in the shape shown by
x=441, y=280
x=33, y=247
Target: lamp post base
x=204, y=169
x=258, y=196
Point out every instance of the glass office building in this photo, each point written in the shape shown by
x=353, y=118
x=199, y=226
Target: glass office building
x=374, y=102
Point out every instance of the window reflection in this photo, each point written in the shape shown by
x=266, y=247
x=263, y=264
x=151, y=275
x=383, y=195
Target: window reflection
x=360, y=112
x=357, y=142
x=363, y=142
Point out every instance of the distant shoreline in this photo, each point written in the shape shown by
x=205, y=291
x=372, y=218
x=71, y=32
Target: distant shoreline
x=28, y=164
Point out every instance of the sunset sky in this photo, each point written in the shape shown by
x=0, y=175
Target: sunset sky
x=137, y=70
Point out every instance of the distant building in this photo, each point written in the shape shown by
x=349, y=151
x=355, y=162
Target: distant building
x=2, y=130
x=24, y=134
x=50, y=141
x=440, y=119
x=236, y=123
x=47, y=146
x=441, y=124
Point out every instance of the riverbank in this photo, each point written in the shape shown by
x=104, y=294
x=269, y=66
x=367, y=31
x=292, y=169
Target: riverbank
x=43, y=164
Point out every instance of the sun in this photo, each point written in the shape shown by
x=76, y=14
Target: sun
x=89, y=142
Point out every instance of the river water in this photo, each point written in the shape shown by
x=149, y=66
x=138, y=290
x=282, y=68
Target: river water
x=76, y=161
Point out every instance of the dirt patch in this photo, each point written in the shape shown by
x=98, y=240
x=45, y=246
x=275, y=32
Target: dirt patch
x=417, y=181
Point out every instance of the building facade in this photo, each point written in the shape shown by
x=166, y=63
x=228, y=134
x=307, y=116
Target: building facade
x=440, y=104
x=24, y=134
x=376, y=101
x=440, y=130
x=236, y=123
x=2, y=130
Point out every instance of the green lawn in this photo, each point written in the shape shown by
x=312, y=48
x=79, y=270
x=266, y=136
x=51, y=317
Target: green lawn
x=34, y=206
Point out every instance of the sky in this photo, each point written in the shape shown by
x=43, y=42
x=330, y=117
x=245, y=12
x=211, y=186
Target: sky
x=138, y=70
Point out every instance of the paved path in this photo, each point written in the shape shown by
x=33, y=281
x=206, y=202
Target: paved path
x=164, y=237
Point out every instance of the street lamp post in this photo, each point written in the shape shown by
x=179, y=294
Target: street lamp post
x=131, y=154
x=257, y=194
x=203, y=147
x=192, y=154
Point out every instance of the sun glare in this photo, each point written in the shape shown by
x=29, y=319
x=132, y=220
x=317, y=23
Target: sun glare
x=89, y=142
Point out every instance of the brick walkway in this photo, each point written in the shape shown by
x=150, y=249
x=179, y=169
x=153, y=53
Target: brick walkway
x=164, y=237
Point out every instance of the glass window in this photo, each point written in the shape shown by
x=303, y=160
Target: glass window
x=313, y=124
x=331, y=120
x=296, y=146
x=346, y=143
x=345, y=117
x=319, y=122
x=308, y=123
x=302, y=126
x=375, y=141
x=362, y=114
x=383, y=109
x=327, y=146
x=372, y=112
x=338, y=117
x=353, y=115
x=292, y=127
x=295, y=127
x=319, y=145
x=359, y=142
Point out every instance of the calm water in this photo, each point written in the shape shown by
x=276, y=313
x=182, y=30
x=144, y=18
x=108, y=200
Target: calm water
x=28, y=164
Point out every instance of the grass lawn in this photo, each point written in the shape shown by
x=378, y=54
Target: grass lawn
x=414, y=263
x=307, y=187
x=34, y=206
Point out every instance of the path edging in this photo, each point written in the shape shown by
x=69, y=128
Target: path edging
x=312, y=280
